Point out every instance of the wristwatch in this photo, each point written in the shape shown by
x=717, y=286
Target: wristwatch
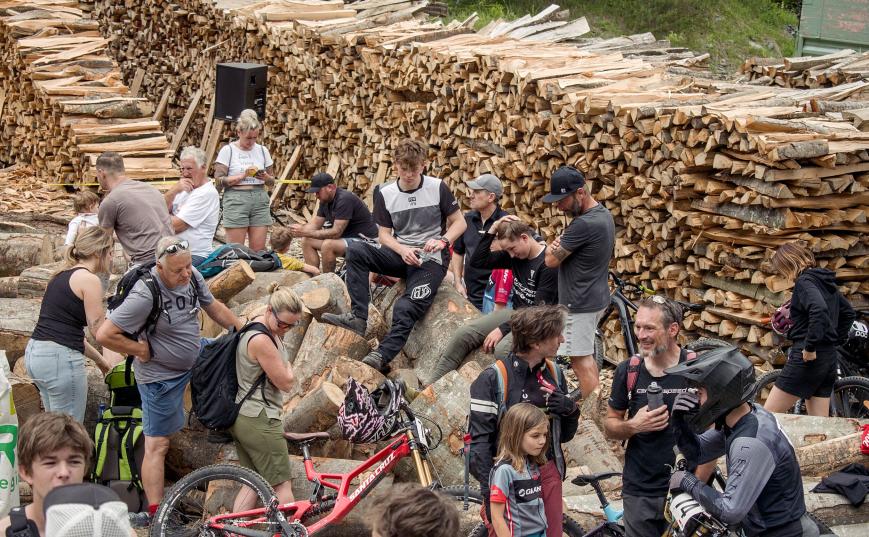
x=446, y=241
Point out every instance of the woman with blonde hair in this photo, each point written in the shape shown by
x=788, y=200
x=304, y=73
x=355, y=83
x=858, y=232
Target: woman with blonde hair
x=820, y=319
x=244, y=168
x=73, y=300
x=258, y=430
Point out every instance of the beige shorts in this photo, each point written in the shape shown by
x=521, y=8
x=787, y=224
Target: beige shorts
x=579, y=334
x=246, y=208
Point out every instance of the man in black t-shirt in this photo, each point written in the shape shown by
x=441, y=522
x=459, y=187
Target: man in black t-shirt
x=418, y=219
x=341, y=219
x=648, y=432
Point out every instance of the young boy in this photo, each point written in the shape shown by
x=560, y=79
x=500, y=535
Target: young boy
x=280, y=241
x=53, y=450
x=85, y=204
x=414, y=511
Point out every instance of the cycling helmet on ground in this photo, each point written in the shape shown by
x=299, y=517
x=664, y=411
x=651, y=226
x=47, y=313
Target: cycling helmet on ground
x=857, y=344
x=728, y=377
x=781, y=320
x=369, y=417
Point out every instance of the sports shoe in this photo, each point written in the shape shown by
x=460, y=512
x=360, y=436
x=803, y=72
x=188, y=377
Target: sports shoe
x=140, y=520
x=375, y=360
x=346, y=320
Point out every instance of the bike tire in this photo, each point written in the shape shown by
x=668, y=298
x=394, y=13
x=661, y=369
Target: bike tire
x=173, y=508
x=569, y=527
x=704, y=344
x=599, y=350
x=765, y=382
x=841, y=389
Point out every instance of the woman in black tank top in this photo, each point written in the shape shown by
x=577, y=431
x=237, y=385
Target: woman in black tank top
x=73, y=300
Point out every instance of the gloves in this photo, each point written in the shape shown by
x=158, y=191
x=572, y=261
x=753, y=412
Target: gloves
x=686, y=440
x=686, y=403
x=676, y=480
x=560, y=404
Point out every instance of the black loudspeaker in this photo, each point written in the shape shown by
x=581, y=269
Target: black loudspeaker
x=240, y=86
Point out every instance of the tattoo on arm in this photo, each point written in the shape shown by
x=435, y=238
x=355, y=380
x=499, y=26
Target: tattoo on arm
x=560, y=253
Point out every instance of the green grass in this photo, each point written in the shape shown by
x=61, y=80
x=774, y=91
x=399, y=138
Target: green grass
x=729, y=30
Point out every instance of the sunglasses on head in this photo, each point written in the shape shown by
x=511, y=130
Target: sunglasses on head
x=175, y=247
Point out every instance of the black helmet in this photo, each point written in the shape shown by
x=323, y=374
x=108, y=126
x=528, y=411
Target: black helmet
x=857, y=344
x=728, y=377
x=369, y=417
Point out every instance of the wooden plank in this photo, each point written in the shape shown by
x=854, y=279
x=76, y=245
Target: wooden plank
x=213, y=140
x=164, y=102
x=137, y=82
x=289, y=169
x=182, y=128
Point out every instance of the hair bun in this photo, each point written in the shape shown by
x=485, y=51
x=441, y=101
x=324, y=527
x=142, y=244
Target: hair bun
x=274, y=286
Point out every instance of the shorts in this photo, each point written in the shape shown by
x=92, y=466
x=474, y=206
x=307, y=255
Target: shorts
x=163, y=405
x=808, y=379
x=246, y=208
x=261, y=447
x=644, y=515
x=579, y=334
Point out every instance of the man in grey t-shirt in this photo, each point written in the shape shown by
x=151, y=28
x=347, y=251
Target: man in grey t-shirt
x=164, y=355
x=582, y=254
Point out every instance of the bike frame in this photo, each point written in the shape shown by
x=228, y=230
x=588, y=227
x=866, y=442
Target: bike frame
x=623, y=306
x=402, y=445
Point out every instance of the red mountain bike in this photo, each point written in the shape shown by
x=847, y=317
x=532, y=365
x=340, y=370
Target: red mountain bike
x=200, y=504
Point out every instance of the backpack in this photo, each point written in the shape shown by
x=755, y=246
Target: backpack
x=122, y=385
x=120, y=448
x=503, y=381
x=214, y=380
x=126, y=284
x=229, y=254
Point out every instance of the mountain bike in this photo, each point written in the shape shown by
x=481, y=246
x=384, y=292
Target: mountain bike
x=850, y=397
x=200, y=504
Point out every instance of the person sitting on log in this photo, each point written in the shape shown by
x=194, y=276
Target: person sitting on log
x=194, y=204
x=258, y=430
x=483, y=196
x=582, y=255
x=53, y=450
x=85, y=204
x=135, y=211
x=280, y=240
x=73, y=300
x=764, y=491
x=243, y=168
x=534, y=284
x=164, y=354
x=342, y=218
x=418, y=219
x=415, y=511
x=526, y=375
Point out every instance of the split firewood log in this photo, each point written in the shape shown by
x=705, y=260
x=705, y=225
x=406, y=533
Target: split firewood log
x=18, y=318
x=590, y=448
x=316, y=411
x=345, y=367
x=325, y=293
x=33, y=281
x=321, y=348
x=826, y=457
x=24, y=392
x=20, y=251
x=806, y=430
x=296, y=335
x=259, y=288
x=9, y=287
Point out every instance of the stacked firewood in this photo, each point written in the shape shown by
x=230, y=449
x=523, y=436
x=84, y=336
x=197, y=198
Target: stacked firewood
x=65, y=102
x=832, y=69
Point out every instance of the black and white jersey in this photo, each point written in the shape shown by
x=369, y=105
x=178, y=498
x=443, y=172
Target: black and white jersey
x=415, y=216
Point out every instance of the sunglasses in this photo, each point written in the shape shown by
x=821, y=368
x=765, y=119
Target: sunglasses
x=175, y=247
x=281, y=324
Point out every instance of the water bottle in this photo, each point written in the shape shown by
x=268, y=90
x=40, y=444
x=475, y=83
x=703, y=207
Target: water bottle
x=655, y=396
x=101, y=410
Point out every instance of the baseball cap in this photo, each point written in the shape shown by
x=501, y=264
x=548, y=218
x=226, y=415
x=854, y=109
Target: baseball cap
x=565, y=181
x=487, y=182
x=85, y=509
x=319, y=181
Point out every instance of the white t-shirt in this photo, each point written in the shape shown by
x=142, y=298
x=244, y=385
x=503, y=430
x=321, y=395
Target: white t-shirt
x=238, y=160
x=80, y=222
x=200, y=210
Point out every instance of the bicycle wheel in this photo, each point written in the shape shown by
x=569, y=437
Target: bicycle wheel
x=204, y=493
x=599, y=350
x=569, y=527
x=470, y=517
x=704, y=344
x=763, y=387
x=850, y=398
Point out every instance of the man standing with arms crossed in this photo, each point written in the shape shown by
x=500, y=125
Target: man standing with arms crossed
x=582, y=254
x=417, y=219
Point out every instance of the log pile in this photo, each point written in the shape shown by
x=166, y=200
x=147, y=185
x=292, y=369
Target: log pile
x=65, y=100
x=832, y=69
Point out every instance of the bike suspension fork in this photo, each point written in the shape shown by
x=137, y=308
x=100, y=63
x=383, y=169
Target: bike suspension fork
x=421, y=465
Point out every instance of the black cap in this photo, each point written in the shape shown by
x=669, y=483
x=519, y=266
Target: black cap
x=319, y=181
x=80, y=493
x=565, y=181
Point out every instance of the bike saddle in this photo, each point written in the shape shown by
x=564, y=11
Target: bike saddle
x=306, y=437
x=582, y=480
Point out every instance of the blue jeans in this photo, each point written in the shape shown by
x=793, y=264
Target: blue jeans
x=60, y=375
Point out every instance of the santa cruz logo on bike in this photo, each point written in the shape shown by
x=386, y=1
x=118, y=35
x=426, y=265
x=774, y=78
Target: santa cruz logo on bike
x=371, y=478
x=420, y=291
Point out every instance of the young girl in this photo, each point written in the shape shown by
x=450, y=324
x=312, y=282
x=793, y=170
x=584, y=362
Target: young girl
x=516, y=495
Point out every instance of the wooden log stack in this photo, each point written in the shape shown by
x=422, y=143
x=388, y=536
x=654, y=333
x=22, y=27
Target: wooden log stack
x=840, y=67
x=65, y=100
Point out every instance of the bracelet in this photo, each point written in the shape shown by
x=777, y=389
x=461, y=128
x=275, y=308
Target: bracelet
x=446, y=241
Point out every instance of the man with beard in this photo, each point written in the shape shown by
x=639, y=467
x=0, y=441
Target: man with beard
x=648, y=432
x=582, y=254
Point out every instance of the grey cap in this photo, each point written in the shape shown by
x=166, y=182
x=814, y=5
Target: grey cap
x=487, y=182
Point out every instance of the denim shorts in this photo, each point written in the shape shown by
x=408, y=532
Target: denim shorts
x=246, y=208
x=59, y=374
x=163, y=405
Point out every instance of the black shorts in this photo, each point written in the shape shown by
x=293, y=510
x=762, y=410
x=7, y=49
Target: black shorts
x=809, y=379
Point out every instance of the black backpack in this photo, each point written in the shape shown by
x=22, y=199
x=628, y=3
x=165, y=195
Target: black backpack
x=126, y=284
x=214, y=381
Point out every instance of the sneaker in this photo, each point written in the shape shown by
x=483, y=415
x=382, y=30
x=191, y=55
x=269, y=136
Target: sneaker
x=140, y=520
x=375, y=360
x=348, y=321
x=219, y=437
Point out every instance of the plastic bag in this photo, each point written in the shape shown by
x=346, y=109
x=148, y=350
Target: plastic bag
x=8, y=441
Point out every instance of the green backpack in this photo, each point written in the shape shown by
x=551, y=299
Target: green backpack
x=119, y=441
